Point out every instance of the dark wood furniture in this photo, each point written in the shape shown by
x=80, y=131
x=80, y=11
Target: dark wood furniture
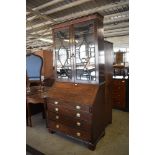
x=79, y=104
x=121, y=81
x=120, y=70
x=47, y=68
x=121, y=94
x=35, y=97
x=34, y=64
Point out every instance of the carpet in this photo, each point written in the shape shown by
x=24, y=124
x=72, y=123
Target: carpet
x=32, y=151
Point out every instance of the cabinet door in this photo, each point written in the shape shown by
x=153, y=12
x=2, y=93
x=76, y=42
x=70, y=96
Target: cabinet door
x=63, y=62
x=85, y=57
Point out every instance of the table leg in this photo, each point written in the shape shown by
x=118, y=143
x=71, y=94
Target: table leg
x=45, y=109
x=29, y=114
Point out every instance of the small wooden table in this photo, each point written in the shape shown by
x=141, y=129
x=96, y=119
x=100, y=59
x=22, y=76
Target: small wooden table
x=36, y=95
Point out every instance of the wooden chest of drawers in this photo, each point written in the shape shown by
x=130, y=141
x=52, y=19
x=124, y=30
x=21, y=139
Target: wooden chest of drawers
x=78, y=110
x=120, y=94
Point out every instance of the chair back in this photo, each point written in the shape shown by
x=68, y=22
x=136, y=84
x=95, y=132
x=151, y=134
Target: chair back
x=34, y=65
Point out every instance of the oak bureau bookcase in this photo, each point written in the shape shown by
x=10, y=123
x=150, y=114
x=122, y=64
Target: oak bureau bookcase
x=80, y=102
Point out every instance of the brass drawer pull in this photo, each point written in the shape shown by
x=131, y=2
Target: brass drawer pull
x=57, y=117
x=78, y=123
x=78, y=115
x=56, y=102
x=56, y=109
x=57, y=126
x=78, y=134
x=78, y=107
x=123, y=81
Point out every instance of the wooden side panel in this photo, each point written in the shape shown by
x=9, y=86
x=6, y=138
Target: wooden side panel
x=40, y=53
x=47, y=70
x=101, y=52
x=108, y=48
x=99, y=113
x=48, y=64
x=105, y=69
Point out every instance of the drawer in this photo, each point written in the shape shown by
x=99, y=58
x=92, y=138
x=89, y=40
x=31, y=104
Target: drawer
x=70, y=121
x=117, y=100
x=117, y=95
x=119, y=82
x=118, y=88
x=119, y=92
x=54, y=126
x=59, y=109
x=71, y=105
x=119, y=104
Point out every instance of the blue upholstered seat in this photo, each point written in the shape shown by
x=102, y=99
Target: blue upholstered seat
x=33, y=67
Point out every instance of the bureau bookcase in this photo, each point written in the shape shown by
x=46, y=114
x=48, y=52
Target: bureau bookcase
x=79, y=102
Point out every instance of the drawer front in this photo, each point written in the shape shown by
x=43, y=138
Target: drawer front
x=59, y=109
x=74, y=106
x=119, y=102
x=69, y=131
x=118, y=88
x=119, y=82
x=69, y=121
x=122, y=82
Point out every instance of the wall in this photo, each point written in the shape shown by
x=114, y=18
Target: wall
x=119, y=42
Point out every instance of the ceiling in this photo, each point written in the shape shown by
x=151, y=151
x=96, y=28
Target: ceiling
x=42, y=14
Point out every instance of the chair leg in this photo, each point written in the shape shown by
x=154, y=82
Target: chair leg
x=29, y=114
x=45, y=111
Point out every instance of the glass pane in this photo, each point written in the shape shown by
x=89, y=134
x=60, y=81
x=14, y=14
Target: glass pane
x=85, y=64
x=62, y=53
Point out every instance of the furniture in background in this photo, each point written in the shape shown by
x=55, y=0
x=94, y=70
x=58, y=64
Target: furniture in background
x=48, y=82
x=121, y=94
x=34, y=65
x=120, y=81
x=35, y=97
x=47, y=68
x=120, y=65
x=120, y=70
x=33, y=101
x=80, y=101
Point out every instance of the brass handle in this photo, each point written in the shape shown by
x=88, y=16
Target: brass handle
x=56, y=102
x=78, y=107
x=57, y=117
x=56, y=109
x=57, y=126
x=123, y=81
x=78, y=134
x=78, y=115
x=78, y=123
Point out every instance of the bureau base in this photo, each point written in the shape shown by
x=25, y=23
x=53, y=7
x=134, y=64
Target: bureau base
x=91, y=145
x=82, y=116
